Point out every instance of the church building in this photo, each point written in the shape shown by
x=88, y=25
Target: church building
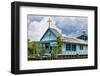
x=71, y=46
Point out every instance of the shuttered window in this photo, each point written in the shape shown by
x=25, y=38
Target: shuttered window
x=73, y=47
x=70, y=47
x=81, y=47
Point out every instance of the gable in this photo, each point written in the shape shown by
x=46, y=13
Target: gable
x=48, y=35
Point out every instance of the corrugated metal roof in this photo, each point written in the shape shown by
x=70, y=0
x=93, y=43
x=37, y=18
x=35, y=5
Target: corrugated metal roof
x=74, y=40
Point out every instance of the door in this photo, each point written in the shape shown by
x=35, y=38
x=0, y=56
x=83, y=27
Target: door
x=47, y=47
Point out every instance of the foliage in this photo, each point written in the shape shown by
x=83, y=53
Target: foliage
x=59, y=43
x=54, y=52
x=35, y=50
x=56, y=48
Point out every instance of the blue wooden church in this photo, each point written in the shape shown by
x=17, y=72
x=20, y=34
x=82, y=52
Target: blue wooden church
x=71, y=46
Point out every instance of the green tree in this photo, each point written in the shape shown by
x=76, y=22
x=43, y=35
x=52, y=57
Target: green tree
x=54, y=52
x=39, y=50
x=31, y=49
x=57, y=47
x=59, y=44
x=35, y=50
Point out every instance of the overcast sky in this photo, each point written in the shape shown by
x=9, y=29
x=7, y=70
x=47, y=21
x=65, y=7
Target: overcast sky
x=67, y=26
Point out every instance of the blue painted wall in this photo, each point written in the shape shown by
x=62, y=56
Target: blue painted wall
x=47, y=37
x=78, y=51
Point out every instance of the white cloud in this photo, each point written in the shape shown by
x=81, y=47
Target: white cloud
x=37, y=29
x=72, y=26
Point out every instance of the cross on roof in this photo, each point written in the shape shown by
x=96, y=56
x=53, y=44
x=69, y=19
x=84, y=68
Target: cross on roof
x=49, y=21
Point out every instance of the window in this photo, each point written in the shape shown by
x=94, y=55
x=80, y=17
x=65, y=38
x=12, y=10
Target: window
x=73, y=47
x=70, y=47
x=81, y=47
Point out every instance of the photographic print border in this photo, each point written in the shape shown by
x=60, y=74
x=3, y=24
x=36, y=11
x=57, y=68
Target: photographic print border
x=15, y=37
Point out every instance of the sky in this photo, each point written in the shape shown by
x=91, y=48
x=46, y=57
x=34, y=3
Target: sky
x=70, y=26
